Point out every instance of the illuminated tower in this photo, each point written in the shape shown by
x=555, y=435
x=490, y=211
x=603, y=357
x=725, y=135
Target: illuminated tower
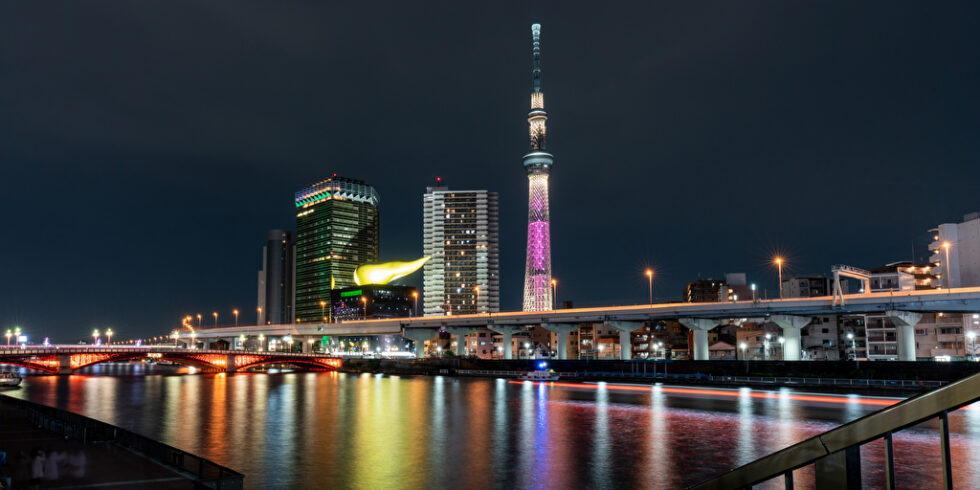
x=537, y=163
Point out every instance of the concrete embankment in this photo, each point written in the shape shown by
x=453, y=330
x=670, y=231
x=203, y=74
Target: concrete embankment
x=879, y=377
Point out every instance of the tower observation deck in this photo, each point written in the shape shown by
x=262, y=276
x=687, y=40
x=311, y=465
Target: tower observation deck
x=537, y=164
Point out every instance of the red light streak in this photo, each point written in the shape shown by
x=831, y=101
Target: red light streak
x=728, y=393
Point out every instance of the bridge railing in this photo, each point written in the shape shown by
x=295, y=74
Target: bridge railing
x=836, y=454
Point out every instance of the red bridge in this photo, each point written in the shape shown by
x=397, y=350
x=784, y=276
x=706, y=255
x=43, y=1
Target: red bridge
x=65, y=359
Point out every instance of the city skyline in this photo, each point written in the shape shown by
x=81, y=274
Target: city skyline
x=700, y=169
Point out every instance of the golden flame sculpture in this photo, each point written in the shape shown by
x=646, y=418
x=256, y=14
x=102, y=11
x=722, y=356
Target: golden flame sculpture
x=386, y=272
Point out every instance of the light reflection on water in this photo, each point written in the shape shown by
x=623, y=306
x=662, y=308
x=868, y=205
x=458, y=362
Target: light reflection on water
x=305, y=430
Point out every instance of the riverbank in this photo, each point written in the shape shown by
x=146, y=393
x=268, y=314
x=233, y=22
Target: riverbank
x=891, y=378
x=45, y=446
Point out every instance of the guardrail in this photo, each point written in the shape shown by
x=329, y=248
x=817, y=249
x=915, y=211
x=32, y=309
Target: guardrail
x=836, y=454
x=505, y=374
x=120, y=350
x=203, y=472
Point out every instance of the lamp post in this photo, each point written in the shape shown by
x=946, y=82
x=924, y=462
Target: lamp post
x=215, y=313
x=743, y=346
x=235, y=312
x=261, y=340
x=364, y=300
x=193, y=340
x=198, y=320
x=415, y=297
x=258, y=319
x=779, y=267
x=175, y=335
x=108, y=336
x=850, y=336
x=946, y=246
x=554, y=294
x=310, y=341
x=241, y=342
x=650, y=280
x=972, y=335
x=9, y=333
x=95, y=336
x=754, y=293
x=782, y=342
x=765, y=347
x=289, y=340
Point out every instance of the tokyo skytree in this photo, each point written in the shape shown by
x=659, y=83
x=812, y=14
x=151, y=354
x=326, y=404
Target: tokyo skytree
x=537, y=163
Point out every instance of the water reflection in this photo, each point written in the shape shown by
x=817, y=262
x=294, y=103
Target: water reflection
x=289, y=430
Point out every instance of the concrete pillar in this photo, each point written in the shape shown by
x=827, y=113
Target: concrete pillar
x=562, y=329
x=460, y=333
x=230, y=364
x=699, y=327
x=508, y=332
x=625, y=339
x=64, y=364
x=419, y=336
x=307, y=346
x=791, y=325
x=905, y=322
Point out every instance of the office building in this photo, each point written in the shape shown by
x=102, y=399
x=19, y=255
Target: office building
x=276, y=298
x=336, y=231
x=956, y=248
x=537, y=164
x=373, y=301
x=460, y=234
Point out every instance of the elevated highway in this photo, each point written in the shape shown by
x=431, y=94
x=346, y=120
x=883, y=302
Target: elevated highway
x=904, y=308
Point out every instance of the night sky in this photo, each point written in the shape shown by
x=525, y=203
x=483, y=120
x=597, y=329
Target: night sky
x=146, y=147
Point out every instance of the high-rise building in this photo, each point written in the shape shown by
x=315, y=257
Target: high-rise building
x=705, y=291
x=807, y=287
x=460, y=234
x=956, y=252
x=336, y=231
x=537, y=164
x=277, y=301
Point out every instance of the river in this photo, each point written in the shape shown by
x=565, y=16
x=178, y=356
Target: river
x=324, y=430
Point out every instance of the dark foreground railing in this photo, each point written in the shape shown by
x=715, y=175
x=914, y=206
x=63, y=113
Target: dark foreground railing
x=204, y=473
x=836, y=454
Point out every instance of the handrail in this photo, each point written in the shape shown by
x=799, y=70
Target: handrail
x=836, y=451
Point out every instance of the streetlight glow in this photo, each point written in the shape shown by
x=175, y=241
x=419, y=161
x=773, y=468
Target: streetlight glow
x=779, y=267
x=649, y=273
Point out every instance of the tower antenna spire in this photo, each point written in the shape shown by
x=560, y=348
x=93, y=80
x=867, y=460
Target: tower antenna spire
x=536, y=54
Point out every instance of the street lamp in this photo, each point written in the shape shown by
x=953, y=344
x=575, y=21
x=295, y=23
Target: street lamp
x=650, y=279
x=95, y=336
x=765, y=345
x=174, y=336
x=193, y=340
x=850, y=336
x=261, y=340
x=753, y=292
x=289, y=340
x=198, y=320
x=743, y=346
x=415, y=296
x=946, y=246
x=258, y=319
x=554, y=294
x=241, y=342
x=235, y=312
x=527, y=347
x=779, y=267
x=364, y=300
x=108, y=336
x=972, y=335
x=215, y=319
x=782, y=342
x=9, y=333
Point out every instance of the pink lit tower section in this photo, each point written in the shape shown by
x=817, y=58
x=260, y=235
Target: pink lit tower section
x=537, y=163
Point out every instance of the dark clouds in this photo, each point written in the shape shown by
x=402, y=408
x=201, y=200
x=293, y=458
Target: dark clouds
x=145, y=148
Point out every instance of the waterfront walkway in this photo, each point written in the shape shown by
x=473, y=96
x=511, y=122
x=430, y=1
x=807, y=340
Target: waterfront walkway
x=75, y=464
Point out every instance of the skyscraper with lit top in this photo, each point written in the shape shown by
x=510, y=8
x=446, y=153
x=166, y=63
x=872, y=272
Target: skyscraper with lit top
x=537, y=164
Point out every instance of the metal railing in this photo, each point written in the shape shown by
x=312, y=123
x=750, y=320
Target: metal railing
x=203, y=472
x=836, y=454
x=505, y=374
x=81, y=349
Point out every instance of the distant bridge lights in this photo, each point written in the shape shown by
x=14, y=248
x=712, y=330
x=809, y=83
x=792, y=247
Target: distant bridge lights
x=95, y=336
